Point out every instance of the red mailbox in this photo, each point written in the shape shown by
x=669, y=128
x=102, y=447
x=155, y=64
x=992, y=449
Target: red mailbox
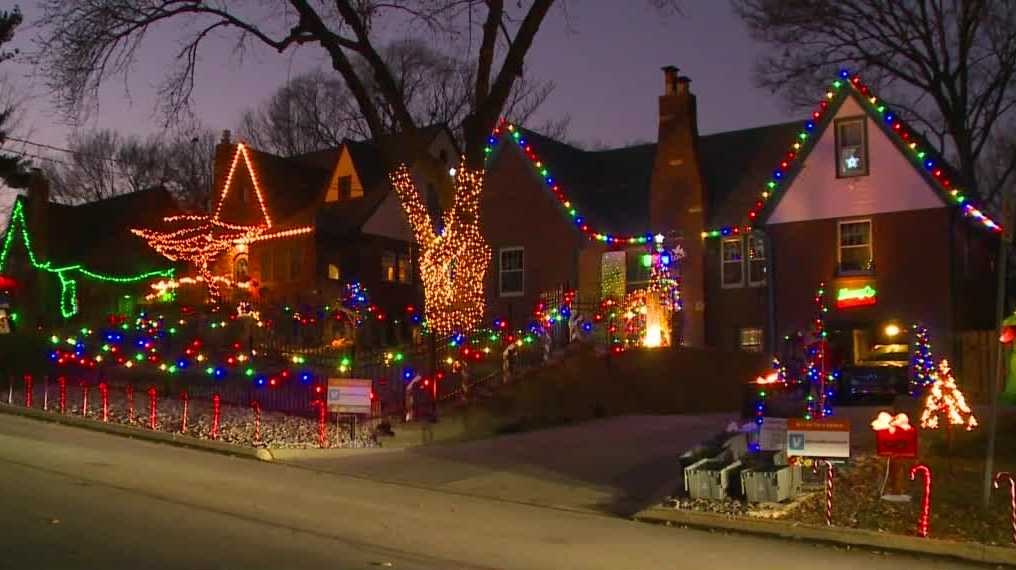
x=894, y=436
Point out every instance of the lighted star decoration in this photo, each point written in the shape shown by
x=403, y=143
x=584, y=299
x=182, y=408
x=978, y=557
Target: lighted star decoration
x=852, y=162
x=945, y=399
x=453, y=263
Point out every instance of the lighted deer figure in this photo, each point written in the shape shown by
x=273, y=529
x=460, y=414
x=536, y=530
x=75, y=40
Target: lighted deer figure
x=453, y=263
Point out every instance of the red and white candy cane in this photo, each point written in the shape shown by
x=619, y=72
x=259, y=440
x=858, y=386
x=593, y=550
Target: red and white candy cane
x=1012, y=498
x=216, y=413
x=828, y=488
x=257, y=421
x=922, y=523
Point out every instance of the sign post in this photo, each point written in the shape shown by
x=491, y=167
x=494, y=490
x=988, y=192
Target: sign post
x=349, y=395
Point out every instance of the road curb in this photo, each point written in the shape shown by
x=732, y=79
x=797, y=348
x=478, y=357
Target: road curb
x=966, y=551
x=177, y=439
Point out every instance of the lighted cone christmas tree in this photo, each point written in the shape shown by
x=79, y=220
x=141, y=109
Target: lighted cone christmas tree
x=945, y=399
x=452, y=263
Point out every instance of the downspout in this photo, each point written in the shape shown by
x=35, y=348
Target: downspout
x=771, y=333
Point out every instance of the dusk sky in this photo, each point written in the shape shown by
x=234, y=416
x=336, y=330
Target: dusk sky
x=604, y=55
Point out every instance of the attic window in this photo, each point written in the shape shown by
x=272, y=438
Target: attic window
x=851, y=147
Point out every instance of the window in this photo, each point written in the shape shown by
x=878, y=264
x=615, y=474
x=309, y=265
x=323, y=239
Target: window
x=512, y=272
x=333, y=272
x=266, y=266
x=750, y=339
x=241, y=268
x=388, y=266
x=756, y=261
x=855, y=255
x=345, y=187
x=731, y=263
x=405, y=268
x=851, y=147
x=638, y=268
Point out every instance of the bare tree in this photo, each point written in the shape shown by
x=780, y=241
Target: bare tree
x=100, y=164
x=12, y=168
x=949, y=65
x=316, y=110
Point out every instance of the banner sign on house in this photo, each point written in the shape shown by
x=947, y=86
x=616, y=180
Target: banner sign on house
x=818, y=438
x=349, y=395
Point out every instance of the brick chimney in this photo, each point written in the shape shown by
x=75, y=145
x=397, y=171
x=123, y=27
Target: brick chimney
x=678, y=197
x=224, y=152
x=38, y=204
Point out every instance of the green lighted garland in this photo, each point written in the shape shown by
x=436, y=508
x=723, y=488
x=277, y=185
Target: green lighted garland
x=68, y=285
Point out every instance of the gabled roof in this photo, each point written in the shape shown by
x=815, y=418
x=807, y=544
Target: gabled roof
x=938, y=174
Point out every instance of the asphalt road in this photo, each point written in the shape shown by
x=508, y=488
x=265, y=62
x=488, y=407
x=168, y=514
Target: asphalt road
x=72, y=498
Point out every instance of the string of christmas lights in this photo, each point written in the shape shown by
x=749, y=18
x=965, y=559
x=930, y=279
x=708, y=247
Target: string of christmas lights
x=945, y=399
x=453, y=262
x=921, y=154
x=18, y=228
x=922, y=362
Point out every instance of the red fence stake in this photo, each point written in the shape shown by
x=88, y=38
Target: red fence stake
x=922, y=523
x=63, y=394
x=153, y=408
x=84, y=398
x=215, y=415
x=257, y=421
x=28, y=390
x=183, y=417
x=322, y=418
x=104, y=394
x=1012, y=499
x=130, y=404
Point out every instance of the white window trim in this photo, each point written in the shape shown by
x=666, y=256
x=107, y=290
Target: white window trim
x=863, y=121
x=748, y=260
x=744, y=347
x=839, y=246
x=500, y=271
x=723, y=264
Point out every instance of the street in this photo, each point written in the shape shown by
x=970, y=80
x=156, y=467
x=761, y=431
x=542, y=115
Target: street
x=73, y=498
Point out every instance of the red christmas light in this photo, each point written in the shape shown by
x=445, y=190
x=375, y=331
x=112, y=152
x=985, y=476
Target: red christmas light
x=922, y=523
x=28, y=390
x=130, y=404
x=104, y=394
x=184, y=401
x=153, y=408
x=84, y=398
x=216, y=414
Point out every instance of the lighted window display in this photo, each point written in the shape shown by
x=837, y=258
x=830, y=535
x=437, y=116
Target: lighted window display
x=732, y=262
x=851, y=147
x=756, y=260
x=855, y=251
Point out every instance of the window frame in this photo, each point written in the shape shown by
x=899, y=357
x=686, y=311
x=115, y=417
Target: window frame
x=394, y=255
x=723, y=263
x=749, y=260
x=337, y=272
x=839, y=247
x=501, y=271
x=344, y=193
x=406, y=257
x=864, y=146
x=245, y=258
x=637, y=254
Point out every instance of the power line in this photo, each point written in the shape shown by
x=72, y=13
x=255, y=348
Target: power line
x=66, y=150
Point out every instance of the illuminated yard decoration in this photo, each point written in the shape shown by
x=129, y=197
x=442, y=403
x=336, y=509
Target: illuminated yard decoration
x=856, y=297
x=945, y=399
x=453, y=263
x=200, y=239
x=68, y=274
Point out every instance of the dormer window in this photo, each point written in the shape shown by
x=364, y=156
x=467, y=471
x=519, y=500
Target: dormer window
x=851, y=147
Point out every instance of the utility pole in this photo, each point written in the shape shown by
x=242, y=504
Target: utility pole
x=994, y=387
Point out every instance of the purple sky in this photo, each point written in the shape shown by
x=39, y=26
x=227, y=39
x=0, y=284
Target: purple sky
x=605, y=58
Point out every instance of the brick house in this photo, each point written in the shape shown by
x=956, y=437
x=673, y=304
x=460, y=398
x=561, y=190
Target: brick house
x=333, y=219
x=850, y=198
x=63, y=261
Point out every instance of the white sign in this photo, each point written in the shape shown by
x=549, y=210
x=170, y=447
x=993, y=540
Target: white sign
x=818, y=438
x=349, y=395
x=772, y=434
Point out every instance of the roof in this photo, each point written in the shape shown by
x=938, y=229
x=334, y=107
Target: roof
x=290, y=186
x=610, y=189
x=98, y=233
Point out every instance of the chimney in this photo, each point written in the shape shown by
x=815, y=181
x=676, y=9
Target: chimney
x=678, y=196
x=224, y=152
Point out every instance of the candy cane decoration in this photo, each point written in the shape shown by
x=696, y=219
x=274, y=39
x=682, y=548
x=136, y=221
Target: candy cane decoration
x=215, y=415
x=922, y=523
x=45, y=393
x=828, y=493
x=322, y=417
x=104, y=393
x=28, y=390
x=84, y=398
x=62, y=382
x=130, y=404
x=153, y=407
x=257, y=421
x=1012, y=498
x=183, y=417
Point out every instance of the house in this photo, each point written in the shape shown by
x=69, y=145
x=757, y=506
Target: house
x=323, y=220
x=851, y=200
x=61, y=261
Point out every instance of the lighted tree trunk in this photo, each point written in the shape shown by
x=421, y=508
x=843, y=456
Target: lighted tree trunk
x=454, y=261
